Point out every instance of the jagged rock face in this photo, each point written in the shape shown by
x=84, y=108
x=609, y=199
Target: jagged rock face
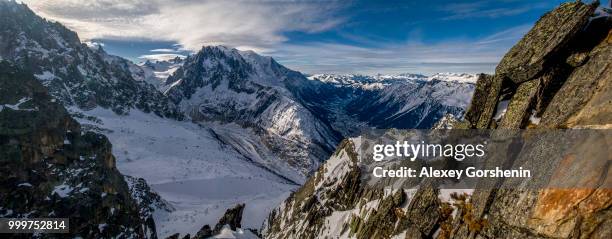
x=304, y=213
x=229, y=223
x=558, y=76
x=553, y=32
x=335, y=203
x=565, y=86
x=588, y=88
x=560, y=92
x=232, y=217
x=147, y=202
x=50, y=168
x=74, y=73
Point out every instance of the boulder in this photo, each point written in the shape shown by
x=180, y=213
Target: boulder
x=545, y=41
x=518, y=109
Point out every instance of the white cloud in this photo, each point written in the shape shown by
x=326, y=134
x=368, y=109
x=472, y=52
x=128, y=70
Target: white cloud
x=161, y=57
x=247, y=24
x=260, y=25
x=164, y=50
x=458, y=55
x=94, y=45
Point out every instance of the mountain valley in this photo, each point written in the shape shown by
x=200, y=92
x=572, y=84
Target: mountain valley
x=220, y=127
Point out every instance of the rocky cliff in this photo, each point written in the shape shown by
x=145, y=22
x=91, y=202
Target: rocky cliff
x=77, y=74
x=557, y=76
x=50, y=168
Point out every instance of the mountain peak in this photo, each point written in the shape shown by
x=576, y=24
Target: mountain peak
x=218, y=48
x=76, y=73
x=351, y=79
x=249, y=55
x=450, y=76
x=221, y=65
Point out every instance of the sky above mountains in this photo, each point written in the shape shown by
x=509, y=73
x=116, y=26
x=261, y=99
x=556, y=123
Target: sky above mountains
x=316, y=36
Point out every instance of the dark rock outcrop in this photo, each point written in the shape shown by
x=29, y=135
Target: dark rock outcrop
x=557, y=76
x=50, y=168
x=204, y=232
x=76, y=74
x=546, y=41
x=173, y=236
x=146, y=200
x=232, y=217
x=483, y=87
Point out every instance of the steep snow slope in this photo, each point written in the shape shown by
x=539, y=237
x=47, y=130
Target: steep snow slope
x=224, y=85
x=259, y=126
x=188, y=166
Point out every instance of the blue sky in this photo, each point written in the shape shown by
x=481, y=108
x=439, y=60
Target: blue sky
x=323, y=36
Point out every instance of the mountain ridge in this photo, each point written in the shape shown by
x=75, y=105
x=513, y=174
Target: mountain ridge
x=74, y=73
x=270, y=132
x=557, y=77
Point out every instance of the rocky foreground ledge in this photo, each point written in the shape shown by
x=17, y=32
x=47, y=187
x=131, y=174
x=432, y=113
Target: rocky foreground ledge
x=558, y=76
x=49, y=168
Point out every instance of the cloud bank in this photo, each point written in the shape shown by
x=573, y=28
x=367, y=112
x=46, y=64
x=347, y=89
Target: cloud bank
x=249, y=24
x=455, y=55
x=262, y=26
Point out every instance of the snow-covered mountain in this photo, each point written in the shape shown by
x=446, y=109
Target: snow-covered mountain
x=352, y=103
x=112, y=96
x=254, y=128
x=302, y=119
x=337, y=202
x=361, y=80
x=457, y=77
x=225, y=85
x=157, y=72
x=76, y=73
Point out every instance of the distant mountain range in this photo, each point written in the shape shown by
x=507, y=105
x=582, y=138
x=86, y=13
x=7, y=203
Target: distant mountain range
x=300, y=119
x=233, y=120
x=557, y=78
